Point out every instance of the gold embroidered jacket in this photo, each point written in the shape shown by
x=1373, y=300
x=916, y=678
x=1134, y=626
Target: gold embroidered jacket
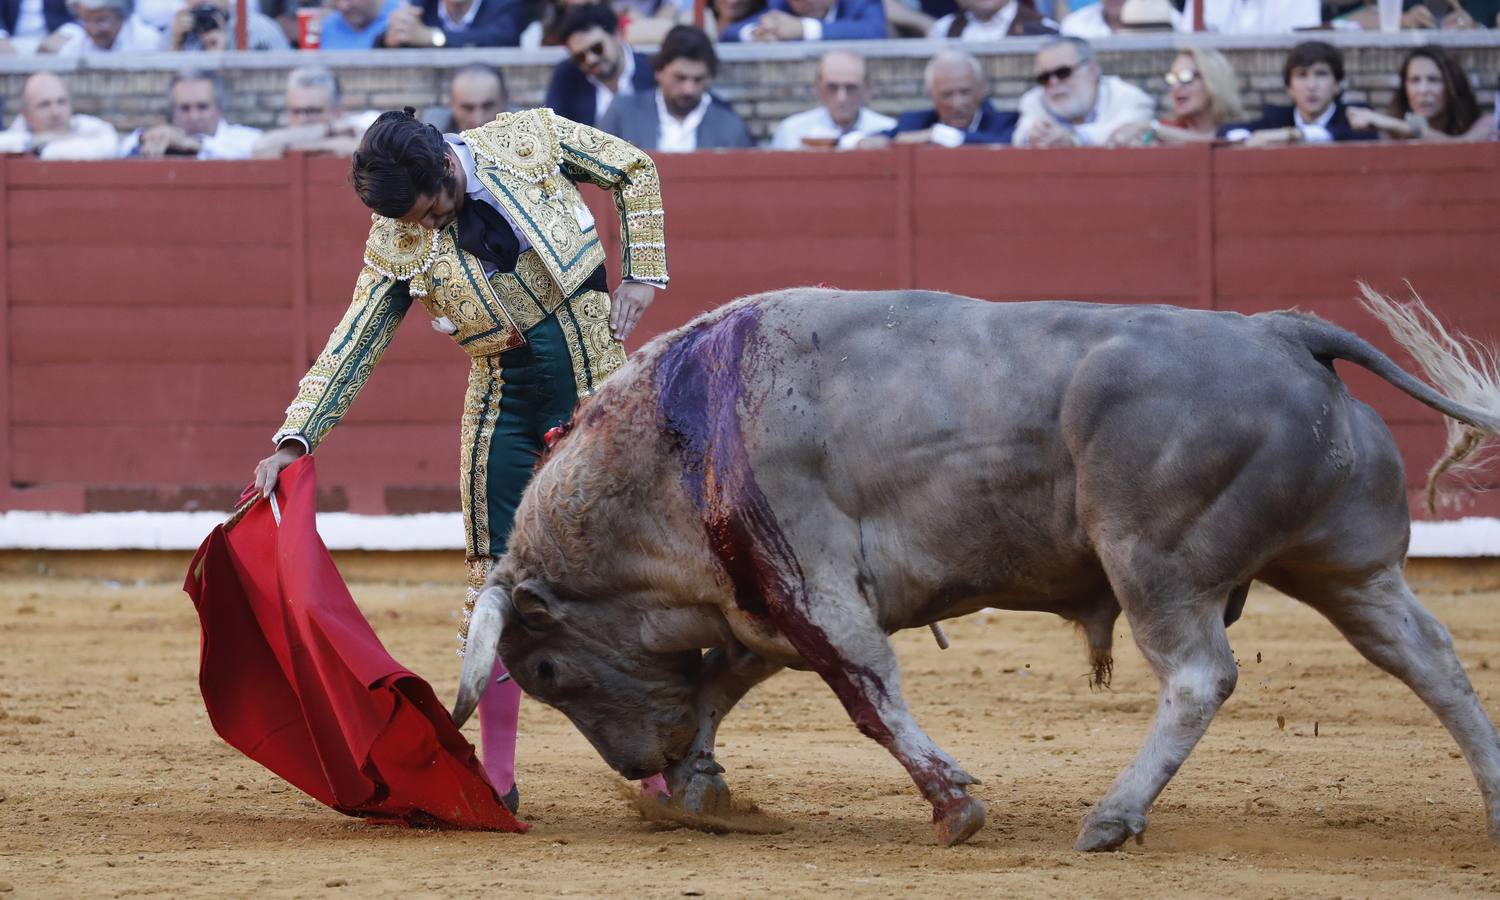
x=530, y=162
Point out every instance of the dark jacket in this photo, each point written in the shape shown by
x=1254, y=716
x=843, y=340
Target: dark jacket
x=995, y=127
x=854, y=20
x=570, y=95
x=634, y=118
x=54, y=12
x=1281, y=117
x=1027, y=22
x=497, y=24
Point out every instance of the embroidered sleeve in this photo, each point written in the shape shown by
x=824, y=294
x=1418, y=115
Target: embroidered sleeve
x=330, y=386
x=619, y=167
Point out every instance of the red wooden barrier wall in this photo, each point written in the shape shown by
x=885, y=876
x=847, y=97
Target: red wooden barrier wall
x=159, y=315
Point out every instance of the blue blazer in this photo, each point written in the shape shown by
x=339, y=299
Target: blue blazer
x=854, y=20
x=995, y=127
x=54, y=12
x=570, y=95
x=1281, y=117
x=497, y=24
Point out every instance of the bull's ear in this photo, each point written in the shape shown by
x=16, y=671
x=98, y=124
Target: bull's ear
x=535, y=605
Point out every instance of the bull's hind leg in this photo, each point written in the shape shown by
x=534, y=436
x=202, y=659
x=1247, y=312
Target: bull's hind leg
x=1183, y=640
x=1386, y=623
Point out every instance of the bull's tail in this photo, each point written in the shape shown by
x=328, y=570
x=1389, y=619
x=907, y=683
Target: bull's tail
x=1466, y=375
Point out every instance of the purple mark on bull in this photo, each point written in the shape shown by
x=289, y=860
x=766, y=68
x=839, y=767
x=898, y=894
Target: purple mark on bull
x=699, y=384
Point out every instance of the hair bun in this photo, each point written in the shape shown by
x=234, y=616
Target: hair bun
x=410, y=111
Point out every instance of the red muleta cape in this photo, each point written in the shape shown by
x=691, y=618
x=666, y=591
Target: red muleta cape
x=294, y=678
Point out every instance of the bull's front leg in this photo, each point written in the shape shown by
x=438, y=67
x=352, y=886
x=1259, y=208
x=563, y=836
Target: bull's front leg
x=729, y=673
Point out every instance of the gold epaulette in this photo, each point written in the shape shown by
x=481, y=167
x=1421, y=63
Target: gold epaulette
x=398, y=250
x=523, y=144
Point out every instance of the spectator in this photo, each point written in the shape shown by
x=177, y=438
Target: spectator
x=735, y=12
x=648, y=21
x=680, y=115
x=475, y=97
x=315, y=119
x=198, y=127
x=1314, y=78
x=28, y=26
x=47, y=126
x=841, y=86
x=355, y=24
x=456, y=23
x=106, y=26
x=209, y=25
x=1107, y=17
x=961, y=111
x=812, y=20
x=546, y=30
x=1074, y=104
x=1204, y=96
x=1257, y=16
x=599, y=66
x=1435, y=102
x=991, y=20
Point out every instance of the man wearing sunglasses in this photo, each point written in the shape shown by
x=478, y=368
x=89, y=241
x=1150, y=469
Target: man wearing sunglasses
x=1074, y=104
x=600, y=66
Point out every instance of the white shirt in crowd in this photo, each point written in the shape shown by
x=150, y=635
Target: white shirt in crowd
x=1088, y=22
x=819, y=123
x=1118, y=102
x=974, y=30
x=1257, y=16
x=88, y=138
x=227, y=142
x=135, y=36
x=679, y=137
x=31, y=26
x=603, y=96
x=1313, y=132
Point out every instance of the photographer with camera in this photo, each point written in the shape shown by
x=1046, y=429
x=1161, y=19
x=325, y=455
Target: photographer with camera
x=209, y=25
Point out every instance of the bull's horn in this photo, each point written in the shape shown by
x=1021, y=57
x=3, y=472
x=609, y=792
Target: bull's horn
x=482, y=648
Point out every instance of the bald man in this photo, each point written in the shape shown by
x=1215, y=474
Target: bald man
x=842, y=88
x=48, y=127
x=476, y=97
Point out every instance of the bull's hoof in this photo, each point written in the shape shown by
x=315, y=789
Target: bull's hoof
x=704, y=794
x=1102, y=831
x=956, y=822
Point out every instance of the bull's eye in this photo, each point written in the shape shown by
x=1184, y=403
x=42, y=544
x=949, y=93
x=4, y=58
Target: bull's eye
x=545, y=671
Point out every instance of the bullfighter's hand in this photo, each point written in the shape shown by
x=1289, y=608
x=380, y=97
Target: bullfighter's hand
x=631, y=299
x=269, y=468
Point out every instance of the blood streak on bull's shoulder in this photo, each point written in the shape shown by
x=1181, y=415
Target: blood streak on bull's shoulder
x=699, y=383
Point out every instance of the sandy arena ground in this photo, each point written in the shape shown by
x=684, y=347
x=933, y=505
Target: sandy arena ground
x=1322, y=776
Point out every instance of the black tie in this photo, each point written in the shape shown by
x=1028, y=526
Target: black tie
x=483, y=232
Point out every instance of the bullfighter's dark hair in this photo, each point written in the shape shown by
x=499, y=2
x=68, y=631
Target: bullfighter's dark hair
x=399, y=158
x=1308, y=54
x=583, y=18
x=686, y=42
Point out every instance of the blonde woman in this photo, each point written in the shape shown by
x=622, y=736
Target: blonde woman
x=1203, y=93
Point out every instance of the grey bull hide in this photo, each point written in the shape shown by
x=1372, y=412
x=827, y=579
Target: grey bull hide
x=792, y=477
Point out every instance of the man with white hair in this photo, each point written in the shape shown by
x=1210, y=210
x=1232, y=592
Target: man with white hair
x=842, y=86
x=48, y=127
x=107, y=26
x=1074, y=104
x=961, y=111
x=315, y=118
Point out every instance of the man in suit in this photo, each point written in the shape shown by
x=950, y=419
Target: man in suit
x=600, y=66
x=488, y=230
x=680, y=115
x=1314, y=79
x=812, y=20
x=961, y=110
x=456, y=23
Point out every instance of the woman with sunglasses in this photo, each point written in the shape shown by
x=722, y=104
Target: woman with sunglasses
x=1203, y=94
x=1434, y=103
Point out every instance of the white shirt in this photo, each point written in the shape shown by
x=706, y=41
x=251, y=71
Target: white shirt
x=603, y=96
x=136, y=36
x=974, y=30
x=1316, y=131
x=1256, y=16
x=227, y=142
x=675, y=136
x=475, y=190
x=1088, y=22
x=159, y=13
x=88, y=138
x=451, y=24
x=1118, y=102
x=819, y=122
x=31, y=23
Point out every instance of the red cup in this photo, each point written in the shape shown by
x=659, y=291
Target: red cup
x=309, y=26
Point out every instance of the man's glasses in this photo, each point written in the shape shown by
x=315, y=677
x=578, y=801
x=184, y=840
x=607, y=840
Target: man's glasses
x=1061, y=73
x=836, y=88
x=1176, y=79
x=596, y=49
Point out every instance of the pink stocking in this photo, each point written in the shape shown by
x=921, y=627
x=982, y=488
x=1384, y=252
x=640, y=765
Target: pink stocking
x=498, y=710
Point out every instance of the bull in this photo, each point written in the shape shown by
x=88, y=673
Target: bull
x=792, y=477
